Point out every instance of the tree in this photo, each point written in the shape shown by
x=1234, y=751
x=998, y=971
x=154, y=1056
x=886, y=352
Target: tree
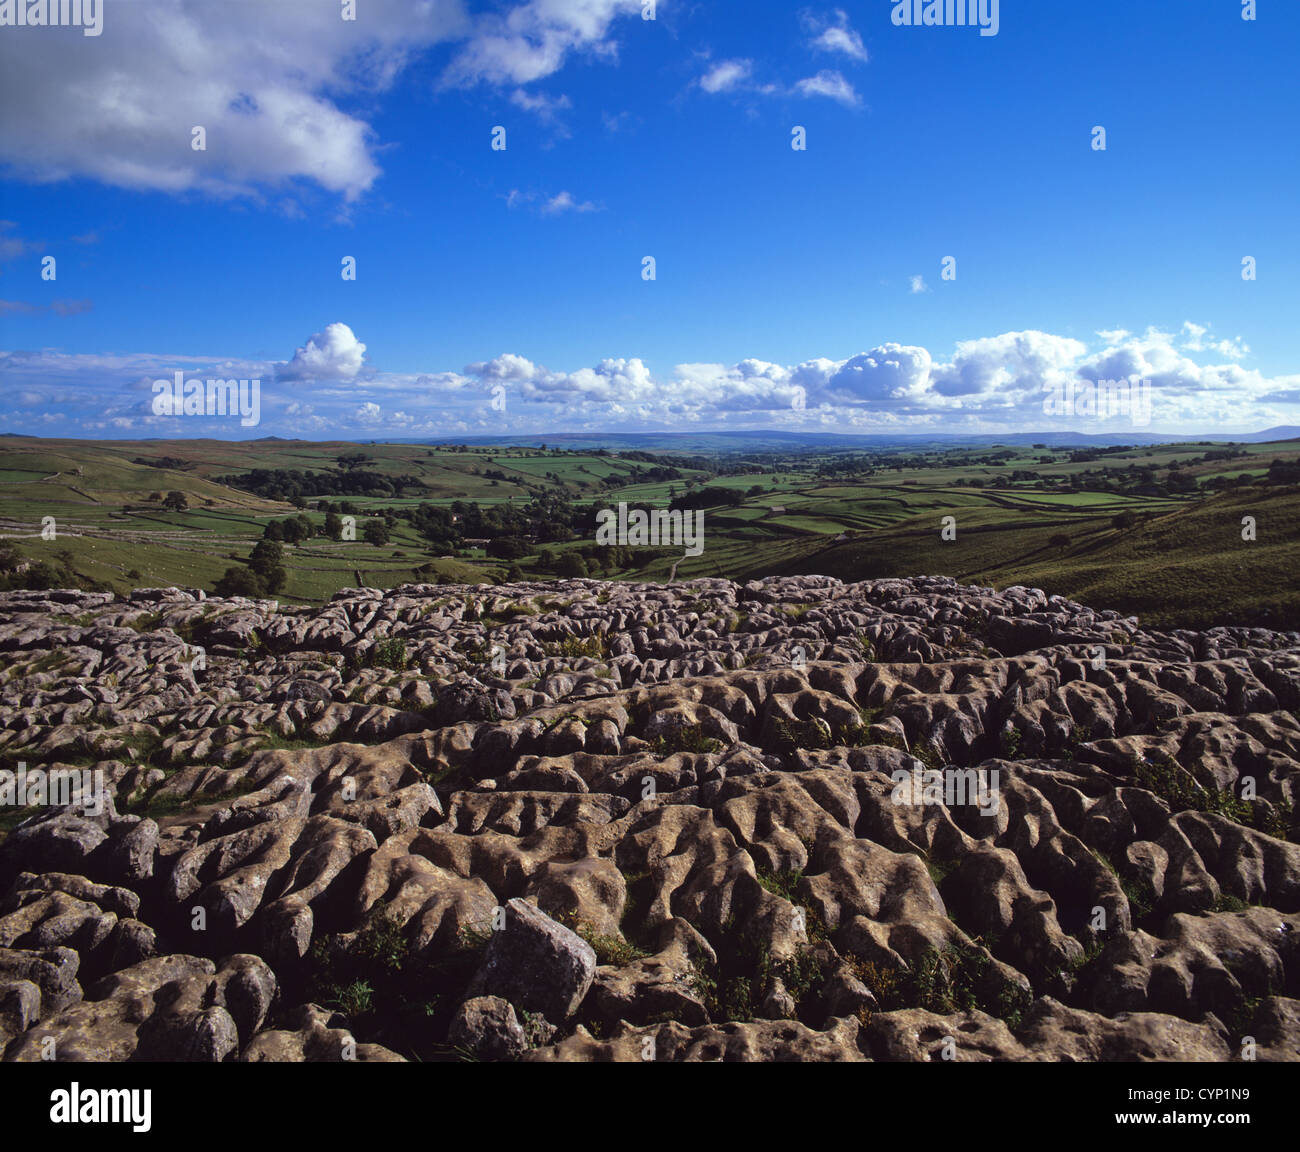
x=265, y=568
x=376, y=533
x=176, y=502
x=507, y=548
x=266, y=554
x=239, y=582
x=333, y=525
x=1123, y=520
x=42, y=576
x=273, y=531
x=292, y=531
x=1060, y=540
x=572, y=565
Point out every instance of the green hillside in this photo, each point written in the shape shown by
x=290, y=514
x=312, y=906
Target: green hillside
x=1188, y=567
x=1153, y=530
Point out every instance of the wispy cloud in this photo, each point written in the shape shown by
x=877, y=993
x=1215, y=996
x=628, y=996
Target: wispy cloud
x=532, y=40
x=833, y=34
x=58, y=307
x=545, y=108
x=1197, y=339
x=561, y=202
x=12, y=246
x=564, y=202
x=726, y=75
x=832, y=85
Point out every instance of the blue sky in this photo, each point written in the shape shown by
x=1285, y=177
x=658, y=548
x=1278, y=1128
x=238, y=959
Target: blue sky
x=793, y=289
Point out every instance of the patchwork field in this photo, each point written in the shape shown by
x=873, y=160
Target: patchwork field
x=1154, y=530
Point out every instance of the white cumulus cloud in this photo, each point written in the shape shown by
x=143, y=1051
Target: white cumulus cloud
x=986, y=383
x=261, y=79
x=334, y=354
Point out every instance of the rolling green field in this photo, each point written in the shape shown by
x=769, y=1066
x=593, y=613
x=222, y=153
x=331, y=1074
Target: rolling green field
x=1113, y=527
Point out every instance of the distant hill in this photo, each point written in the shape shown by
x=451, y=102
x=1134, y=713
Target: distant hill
x=748, y=440
x=772, y=440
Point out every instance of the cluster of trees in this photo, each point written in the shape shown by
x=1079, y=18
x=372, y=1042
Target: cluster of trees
x=708, y=498
x=1135, y=480
x=869, y=464
x=173, y=502
x=508, y=548
x=296, y=529
x=617, y=480
x=1229, y=453
x=291, y=484
x=436, y=524
x=175, y=463
x=1180, y=482
x=659, y=474
x=638, y=456
x=514, y=532
x=1284, y=472
x=1243, y=480
x=847, y=466
x=264, y=574
x=548, y=517
x=375, y=532
x=596, y=559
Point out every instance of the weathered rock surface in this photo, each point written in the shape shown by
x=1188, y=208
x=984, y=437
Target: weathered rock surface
x=487, y=1028
x=535, y=963
x=793, y=819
